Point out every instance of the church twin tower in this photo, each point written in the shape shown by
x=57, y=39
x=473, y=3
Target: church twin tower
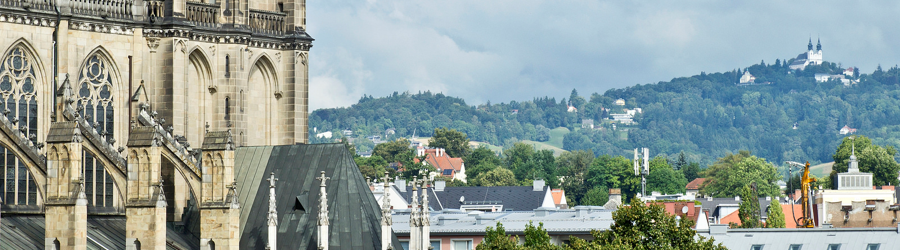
x=134, y=108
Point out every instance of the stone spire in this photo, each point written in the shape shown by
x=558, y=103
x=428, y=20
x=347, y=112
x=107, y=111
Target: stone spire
x=323, y=212
x=424, y=220
x=414, y=237
x=386, y=220
x=272, y=218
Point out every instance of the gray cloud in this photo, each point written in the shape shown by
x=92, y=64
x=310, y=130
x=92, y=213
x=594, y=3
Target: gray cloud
x=515, y=50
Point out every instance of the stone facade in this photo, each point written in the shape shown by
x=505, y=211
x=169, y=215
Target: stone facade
x=103, y=100
x=868, y=213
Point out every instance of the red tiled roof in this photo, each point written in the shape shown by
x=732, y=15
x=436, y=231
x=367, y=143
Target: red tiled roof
x=442, y=162
x=557, y=195
x=675, y=208
x=695, y=184
x=733, y=217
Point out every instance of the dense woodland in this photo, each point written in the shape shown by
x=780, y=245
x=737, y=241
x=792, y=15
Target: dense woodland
x=705, y=116
x=700, y=126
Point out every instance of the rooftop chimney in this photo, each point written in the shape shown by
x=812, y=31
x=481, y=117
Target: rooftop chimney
x=400, y=184
x=538, y=185
x=439, y=186
x=615, y=194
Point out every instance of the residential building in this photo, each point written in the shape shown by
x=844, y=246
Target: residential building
x=725, y=210
x=620, y=102
x=486, y=199
x=587, y=123
x=804, y=238
x=623, y=118
x=455, y=229
x=847, y=130
x=849, y=72
x=693, y=187
x=326, y=135
x=448, y=167
x=810, y=57
x=559, y=198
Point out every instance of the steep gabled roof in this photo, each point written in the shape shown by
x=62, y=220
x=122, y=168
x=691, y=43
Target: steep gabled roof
x=354, y=214
x=695, y=184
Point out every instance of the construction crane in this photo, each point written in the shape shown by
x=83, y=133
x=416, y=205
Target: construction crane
x=805, y=193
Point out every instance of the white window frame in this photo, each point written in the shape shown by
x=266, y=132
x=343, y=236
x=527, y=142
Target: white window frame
x=470, y=240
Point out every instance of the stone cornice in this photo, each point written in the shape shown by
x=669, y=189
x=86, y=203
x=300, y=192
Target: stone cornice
x=296, y=39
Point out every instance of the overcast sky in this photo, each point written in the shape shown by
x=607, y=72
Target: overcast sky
x=502, y=50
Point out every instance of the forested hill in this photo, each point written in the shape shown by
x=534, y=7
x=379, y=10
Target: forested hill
x=786, y=115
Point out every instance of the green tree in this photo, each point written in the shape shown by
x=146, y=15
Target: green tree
x=480, y=161
x=454, y=142
x=474, y=173
x=613, y=172
x=597, y=196
x=496, y=239
x=729, y=174
x=681, y=162
x=497, y=177
x=372, y=167
x=389, y=150
x=641, y=226
x=481, y=155
x=537, y=237
x=691, y=171
x=872, y=158
x=749, y=209
x=573, y=166
x=775, y=216
x=663, y=178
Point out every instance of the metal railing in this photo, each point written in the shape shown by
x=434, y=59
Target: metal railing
x=202, y=14
x=267, y=22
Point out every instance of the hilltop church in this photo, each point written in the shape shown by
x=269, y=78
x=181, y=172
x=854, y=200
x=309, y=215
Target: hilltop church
x=163, y=124
x=810, y=57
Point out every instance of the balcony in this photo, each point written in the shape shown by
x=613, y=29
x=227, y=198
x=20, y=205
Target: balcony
x=267, y=22
x=202, y=14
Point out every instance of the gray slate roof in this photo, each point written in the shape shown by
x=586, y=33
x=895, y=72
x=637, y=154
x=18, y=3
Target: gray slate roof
x=354, y=213
x=513, y=198
x=19, y=231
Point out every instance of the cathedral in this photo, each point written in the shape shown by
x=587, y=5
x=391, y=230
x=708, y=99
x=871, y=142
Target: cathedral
x=139, y=124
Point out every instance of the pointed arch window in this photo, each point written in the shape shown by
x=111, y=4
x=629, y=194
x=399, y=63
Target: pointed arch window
x=94, y=101
x=98, y=184
x=95, y=95
x=18, y=96
x=17, y=88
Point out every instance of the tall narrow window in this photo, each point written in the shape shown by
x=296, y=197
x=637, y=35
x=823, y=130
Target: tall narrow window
x=227, y=66
x=18, y=95
x=227, y=109
x=95, y=96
